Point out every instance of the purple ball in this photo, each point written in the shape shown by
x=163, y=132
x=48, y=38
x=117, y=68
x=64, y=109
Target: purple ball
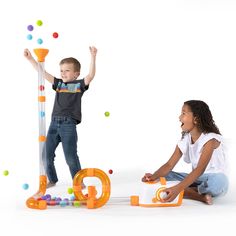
x=30, y=27
x=44, y=198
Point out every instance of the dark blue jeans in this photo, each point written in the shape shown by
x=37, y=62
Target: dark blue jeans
x=61, y=129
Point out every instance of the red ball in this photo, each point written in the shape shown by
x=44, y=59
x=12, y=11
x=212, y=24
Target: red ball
x=52, y=203
x=55, y=35
x=41, y=87
x=110, y=171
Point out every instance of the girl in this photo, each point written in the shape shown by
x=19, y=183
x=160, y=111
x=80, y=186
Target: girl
x=201, y=145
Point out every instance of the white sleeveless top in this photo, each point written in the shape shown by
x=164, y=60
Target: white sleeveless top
x=192, y=152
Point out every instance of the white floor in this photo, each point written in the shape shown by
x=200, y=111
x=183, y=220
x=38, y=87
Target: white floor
x=117, y=217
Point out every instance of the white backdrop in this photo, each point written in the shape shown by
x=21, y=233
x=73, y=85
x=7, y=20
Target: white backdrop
x=152, y=56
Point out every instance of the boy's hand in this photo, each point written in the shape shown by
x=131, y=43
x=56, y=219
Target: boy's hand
x=27, y=54
x=93, y=50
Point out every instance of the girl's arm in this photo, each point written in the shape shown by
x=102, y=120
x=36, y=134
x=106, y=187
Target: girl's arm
x=166, y=168
x=205, y=157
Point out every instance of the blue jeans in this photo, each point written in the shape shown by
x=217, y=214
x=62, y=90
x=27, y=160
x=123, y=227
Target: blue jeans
x=215, y=184
x=62, y=129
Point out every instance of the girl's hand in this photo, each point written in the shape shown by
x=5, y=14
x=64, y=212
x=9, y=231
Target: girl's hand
x=172, y=193
x=148, y=177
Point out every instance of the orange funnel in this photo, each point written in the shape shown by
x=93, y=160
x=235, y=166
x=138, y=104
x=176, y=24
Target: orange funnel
x=41, y=53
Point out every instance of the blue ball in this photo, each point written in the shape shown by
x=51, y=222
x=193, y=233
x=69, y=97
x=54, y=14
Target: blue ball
x=63, y=203
x=39, y=41
x=25, y=186
x=29, y=36
x=41, y=113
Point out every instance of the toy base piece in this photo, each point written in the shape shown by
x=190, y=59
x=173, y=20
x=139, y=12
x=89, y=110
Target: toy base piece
x=35, y=202
x=152, y=195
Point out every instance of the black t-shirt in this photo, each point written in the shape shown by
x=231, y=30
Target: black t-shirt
x=68, y=98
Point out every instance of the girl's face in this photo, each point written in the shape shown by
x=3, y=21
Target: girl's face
x=67, y=72
x=188, y=121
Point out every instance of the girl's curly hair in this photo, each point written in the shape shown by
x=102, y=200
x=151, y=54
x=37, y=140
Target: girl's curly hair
x=202, y=113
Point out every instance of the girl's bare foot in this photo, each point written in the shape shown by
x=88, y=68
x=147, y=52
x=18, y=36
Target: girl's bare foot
x=192, y=193
x=208, y=199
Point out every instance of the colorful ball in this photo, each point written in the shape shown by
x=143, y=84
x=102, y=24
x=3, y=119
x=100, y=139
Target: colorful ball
x=25, y=186
x=41, y=87
x=55, y=35
x=70, y=190
x=39, y=23
x=47, y=197
x=29, y=36
x=107, y=113
x=110, y=171
x=41, y=114
x=76, y=203
x=5, y=172
x=63, y=203
x=39, y=41
x=52, y=203
x=30, y=27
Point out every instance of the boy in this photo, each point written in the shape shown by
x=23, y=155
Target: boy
x=66, y=112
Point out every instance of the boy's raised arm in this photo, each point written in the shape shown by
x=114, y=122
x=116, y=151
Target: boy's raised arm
x=92, y=69
x=34, y=63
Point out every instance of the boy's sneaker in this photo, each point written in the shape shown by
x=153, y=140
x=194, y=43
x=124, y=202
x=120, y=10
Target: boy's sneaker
x=50, y=184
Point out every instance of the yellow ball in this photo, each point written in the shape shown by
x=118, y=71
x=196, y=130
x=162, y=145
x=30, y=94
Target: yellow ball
x=39, y=22
x=76, y=203
x=6, y=172
x=107, y=113
x=70, y=190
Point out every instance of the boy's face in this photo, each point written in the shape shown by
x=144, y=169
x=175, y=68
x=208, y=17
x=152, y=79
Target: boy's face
x=68, y=73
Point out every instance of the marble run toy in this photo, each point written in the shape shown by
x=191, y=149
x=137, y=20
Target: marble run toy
x=152, y=194
x=35, y=202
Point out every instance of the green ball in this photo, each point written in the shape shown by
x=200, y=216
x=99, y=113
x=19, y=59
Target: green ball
x=70, y=190
x=39, y=22
x=76, y=203
x=107, y=113
x=6, y=172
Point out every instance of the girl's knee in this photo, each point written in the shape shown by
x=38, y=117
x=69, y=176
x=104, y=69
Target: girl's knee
x=216, y=185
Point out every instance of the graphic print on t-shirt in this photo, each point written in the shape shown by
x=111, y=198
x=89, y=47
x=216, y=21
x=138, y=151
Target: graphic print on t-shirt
x=68, y=88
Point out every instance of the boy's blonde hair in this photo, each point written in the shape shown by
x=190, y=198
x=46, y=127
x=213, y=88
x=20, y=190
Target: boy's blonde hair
x=71, y=60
